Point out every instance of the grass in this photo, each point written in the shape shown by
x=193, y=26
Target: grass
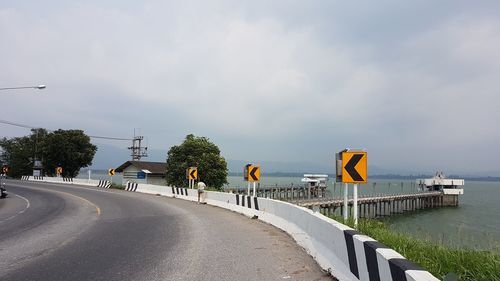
x=437, y=259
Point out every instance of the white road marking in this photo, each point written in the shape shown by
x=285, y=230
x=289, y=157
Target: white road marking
x=20, y=212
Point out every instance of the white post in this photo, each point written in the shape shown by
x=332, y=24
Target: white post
x=346, y=206
x=254, y=184
x=355, y=205
x=89, y=174
x=248, y=189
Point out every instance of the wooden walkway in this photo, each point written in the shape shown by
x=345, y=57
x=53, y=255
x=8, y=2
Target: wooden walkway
x=379, y=206
x=368, y=207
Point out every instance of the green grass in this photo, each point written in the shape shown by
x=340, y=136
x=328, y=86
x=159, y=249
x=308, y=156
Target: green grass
x=437, y=259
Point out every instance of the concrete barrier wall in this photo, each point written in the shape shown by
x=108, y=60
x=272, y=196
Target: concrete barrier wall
x=337, y=248
x=347, y=254
x=97, y=183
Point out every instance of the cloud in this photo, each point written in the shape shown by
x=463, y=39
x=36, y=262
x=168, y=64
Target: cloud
x=292, y=81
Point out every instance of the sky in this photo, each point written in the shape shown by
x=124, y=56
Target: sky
x=415, y=83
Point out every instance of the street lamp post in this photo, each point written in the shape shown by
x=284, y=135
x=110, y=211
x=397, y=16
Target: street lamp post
x=37, y=167
x=39, y=87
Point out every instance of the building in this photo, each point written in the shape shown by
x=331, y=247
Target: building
x=143, y=172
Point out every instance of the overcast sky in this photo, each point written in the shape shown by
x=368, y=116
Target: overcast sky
x=415, y=83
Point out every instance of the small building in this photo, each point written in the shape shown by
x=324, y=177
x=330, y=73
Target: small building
x=143, y=172
x=451, y=188
x=316, y=185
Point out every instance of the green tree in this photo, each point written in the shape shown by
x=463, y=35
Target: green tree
x=20, y=152
x=196, y=152
x=70, y=149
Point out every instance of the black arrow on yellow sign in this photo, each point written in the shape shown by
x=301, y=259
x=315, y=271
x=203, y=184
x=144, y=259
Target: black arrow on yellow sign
x=350, y=167
x=253, y=174
x=192, y=173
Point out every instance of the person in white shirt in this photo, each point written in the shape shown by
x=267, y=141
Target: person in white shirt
x=201, y=191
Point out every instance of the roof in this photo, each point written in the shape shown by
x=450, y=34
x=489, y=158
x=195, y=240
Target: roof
x=153, y=167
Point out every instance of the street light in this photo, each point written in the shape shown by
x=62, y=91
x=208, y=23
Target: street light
x=39, y=87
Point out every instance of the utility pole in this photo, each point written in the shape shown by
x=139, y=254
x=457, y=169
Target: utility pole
x=137, y=150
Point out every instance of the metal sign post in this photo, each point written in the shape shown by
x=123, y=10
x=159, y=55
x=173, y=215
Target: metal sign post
x=352, y=167
x=251, y=173
x=111, y=173
x=192, y=175
x=355, y=204
x=346, y=191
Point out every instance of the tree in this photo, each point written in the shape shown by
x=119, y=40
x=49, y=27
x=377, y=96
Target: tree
x=70, y=149
x=196, y=152
x=19, y=153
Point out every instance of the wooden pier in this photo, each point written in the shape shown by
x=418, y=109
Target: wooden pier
x=381, y=205
x=372, y=206
x=286, y=193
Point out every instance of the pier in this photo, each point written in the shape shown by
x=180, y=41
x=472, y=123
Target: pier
x=369, y=206
x=381, y=205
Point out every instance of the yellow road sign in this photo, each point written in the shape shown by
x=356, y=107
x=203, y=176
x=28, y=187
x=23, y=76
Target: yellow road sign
x=253, y=173
x=192, y=173
x=59, y=170
x=5, y=169
x=354, y=167
x=111, y=172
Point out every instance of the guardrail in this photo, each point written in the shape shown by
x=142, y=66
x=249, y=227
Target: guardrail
x=339, y=249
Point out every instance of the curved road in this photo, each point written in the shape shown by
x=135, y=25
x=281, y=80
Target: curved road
x=64, y=232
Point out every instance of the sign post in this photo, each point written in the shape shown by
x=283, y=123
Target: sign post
x=192, y=175
x=59, y=171
x=111, y=173
x=352, y=167
x=251, y=173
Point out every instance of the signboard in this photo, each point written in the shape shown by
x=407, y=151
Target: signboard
x=354, y=167
x=5, y=169
x=141, y=175
x=111, y=172
x=251, y=173
x=59, y=170
x=192, y=173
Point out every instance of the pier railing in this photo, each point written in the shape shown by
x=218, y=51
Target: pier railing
x=369, y=205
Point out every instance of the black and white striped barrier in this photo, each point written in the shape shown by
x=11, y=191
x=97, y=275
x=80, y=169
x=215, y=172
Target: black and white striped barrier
x=372, y=260
x=67, y=179
x=247, y=201
x=131, y=186
x=25, y=178
x=180, y=191
x=104, y=183
x=38, y=178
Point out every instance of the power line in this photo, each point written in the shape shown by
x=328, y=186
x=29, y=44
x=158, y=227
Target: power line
x=31, y=127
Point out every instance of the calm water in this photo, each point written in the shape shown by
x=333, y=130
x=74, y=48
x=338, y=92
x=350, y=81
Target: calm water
x=475, y=223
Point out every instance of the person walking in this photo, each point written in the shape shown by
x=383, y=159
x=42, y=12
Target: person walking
x=201, y=192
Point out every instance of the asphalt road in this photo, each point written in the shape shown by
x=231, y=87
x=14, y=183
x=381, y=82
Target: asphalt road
x=63, y=232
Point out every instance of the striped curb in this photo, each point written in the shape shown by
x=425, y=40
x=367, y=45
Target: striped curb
x=180, y=191
x=242, y=200
x=131, y=186
x=104, y=183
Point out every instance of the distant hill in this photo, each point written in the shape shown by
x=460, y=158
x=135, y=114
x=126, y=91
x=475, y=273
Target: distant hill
x=109, y=156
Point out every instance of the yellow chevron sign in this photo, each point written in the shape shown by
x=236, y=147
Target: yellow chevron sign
x=59, y=170
x=111, y=172
x=354, y=167
x=192, y=173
